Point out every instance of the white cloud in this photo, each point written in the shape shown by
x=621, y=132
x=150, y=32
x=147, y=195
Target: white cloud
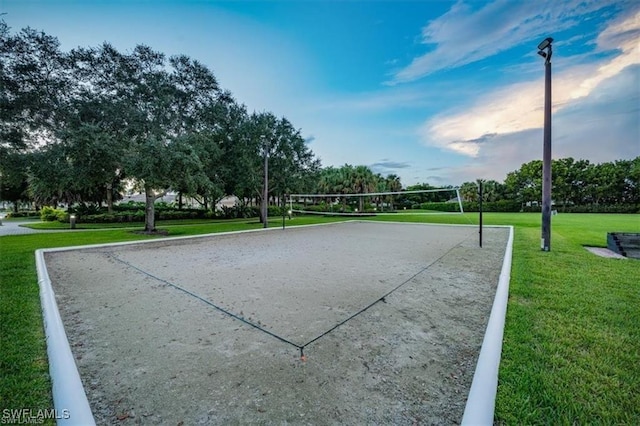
x=623, y=31
x=519, y=107
x=606, y=124
x=604, y=127
x=462, y=35
x=506, y=153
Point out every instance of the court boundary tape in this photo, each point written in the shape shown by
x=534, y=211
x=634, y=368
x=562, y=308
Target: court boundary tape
x=68, y=390
x=260, y=328
x=382, y=299
x=206, y=301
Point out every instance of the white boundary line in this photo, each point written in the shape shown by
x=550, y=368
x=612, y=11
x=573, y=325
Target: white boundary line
x=482, y=396
x=69, y=393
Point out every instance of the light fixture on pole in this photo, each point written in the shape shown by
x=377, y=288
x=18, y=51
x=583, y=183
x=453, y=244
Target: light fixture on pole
x=265, y=195
x=544, y=50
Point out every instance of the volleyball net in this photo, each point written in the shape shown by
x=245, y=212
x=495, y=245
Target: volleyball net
x=424, y=201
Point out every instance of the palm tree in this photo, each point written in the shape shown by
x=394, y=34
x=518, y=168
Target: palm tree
x=335, y=181
x=381, y=186
x=363, y=182
x=393, y=184
x=345, y=180
x=469, y=191
x=327, y=182
x=344, y=184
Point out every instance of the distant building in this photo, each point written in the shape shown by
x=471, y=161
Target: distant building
x=188, y=202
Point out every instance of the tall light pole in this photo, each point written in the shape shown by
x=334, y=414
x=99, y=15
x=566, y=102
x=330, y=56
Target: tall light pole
x=544, y=50
x=265, y=195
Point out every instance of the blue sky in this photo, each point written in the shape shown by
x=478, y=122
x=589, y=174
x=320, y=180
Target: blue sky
x=435, y=91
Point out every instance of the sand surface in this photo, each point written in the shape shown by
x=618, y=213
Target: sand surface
x=152, y=349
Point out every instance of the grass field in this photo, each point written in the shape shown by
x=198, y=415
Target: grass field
x=188, y=222
x=571, y=350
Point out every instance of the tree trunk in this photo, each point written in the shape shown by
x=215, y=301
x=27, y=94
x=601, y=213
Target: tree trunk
x=262, y=208
x=150, y=209
x=259, y=201
x=109, y=198
x=179, y=200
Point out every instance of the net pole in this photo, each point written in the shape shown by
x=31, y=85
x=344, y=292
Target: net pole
x=480, y=209
x=459, y=200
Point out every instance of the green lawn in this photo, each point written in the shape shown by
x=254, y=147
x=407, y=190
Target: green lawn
x=571, y=352
x=55, y=225
x=571, y=349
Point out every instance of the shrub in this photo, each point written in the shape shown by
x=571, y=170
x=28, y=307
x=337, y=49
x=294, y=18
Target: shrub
x=504, y=206
x=599, y=208
x=49, y=214
x=63, y=217
x=129, y=206
x=86, y=209
x=26, y=213
x=163, y=205
x=325, y=208
x=179, y=214
x=589, y=208
x=239, y=212
x=274, y=211
x=492, y=206
x=114, y=218
x=440, y=207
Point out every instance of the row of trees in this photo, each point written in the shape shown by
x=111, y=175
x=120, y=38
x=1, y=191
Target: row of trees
x=574, y=183
x=77, y=126
x=350, y=179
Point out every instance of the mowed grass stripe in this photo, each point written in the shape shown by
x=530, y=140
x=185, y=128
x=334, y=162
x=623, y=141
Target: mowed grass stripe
x=24, y=370
x=23, y=362
x=571, y=352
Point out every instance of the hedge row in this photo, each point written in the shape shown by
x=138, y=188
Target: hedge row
x=592, y=208
x=334, y=208
x=138, y=216
x=498, y=206
x=506, y=206
x=237, y=212
x=24, y=213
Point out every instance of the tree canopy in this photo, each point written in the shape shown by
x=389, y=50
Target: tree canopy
x=83, y=122
x=79, y=126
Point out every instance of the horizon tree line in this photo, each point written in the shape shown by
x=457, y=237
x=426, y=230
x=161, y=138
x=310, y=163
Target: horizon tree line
x=76, y=126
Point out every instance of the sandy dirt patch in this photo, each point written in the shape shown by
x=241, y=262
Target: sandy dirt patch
x=604, y=252
x=151, y=351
